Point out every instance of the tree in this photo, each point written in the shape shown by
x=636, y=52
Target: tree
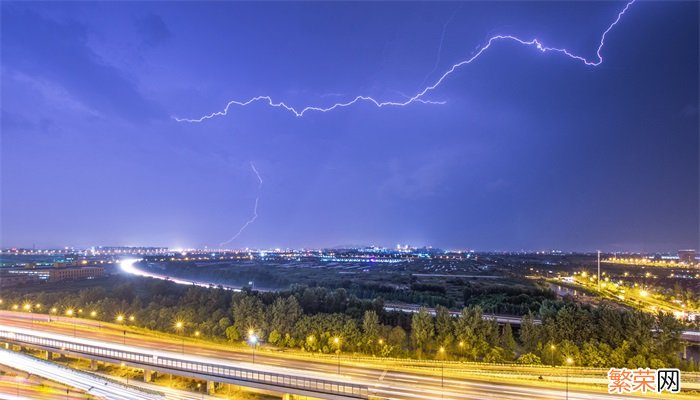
x=370, y=330
x=397, y=337
x=495, y=355
x=248, y=314
x=529, y=358
x=529, y=335
x=667, y=341
x=352, y=337
x=232, y=334
x=275, y=337
x=444, y=327
x=592, y=355
x=507, y=342
x=471, y=333
x=570, y=350
x=422, y=331
x=284, y=314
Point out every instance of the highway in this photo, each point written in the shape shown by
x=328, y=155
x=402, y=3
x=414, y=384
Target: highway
x=94, y=385
x=386, y=383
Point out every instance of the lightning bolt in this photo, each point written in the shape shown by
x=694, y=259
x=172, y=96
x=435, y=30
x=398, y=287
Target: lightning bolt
x=442, y=39
x=255, y=208
x=417, y=98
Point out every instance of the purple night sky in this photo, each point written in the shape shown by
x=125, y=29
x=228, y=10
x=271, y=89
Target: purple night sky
x=530, y=150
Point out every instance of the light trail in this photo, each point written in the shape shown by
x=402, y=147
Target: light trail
x=127, y=266
x=418, y=98
x=94, y=385
x=255, y=209
x=398, y=385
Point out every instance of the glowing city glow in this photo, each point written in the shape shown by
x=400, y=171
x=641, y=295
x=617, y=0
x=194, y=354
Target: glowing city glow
x=418, y=98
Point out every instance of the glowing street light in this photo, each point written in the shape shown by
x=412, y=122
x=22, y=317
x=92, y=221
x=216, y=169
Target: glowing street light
x=120, y=319
x=441, y=351
x=253, y=341
x=569, y=361
x=179, y=327
x=336, y=341
x=28, y=308
x=71, y=313
x=552, y=347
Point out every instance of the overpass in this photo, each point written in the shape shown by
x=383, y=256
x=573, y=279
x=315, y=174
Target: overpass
x=210, y=370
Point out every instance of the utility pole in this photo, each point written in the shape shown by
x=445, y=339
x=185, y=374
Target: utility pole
x=598, y=271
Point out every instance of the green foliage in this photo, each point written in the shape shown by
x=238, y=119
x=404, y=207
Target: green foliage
x=422, y=331
x=507, y=342
x=370, y=330
x=529, y=333
x=529, y=358
x=310, y=318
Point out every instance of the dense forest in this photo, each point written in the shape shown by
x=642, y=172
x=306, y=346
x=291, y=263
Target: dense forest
x=310, y=318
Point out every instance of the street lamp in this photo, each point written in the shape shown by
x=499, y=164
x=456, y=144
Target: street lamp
x=28, y=308
x=336, y=341
x=71, y=313
x=569, y=361
x=179, y=328
x=120, y=319
x=552, y=347
x=442, y=371
x=253, y=341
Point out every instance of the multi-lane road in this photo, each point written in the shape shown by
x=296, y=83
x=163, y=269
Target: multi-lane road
x=388, y=382
x=98, y=387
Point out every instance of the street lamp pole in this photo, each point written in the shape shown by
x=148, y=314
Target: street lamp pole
x=253, y=341
x=552, y=347
x=71, y=314
x=442, y=372
x=336, y=340
x=598, y=272
x=568, y=363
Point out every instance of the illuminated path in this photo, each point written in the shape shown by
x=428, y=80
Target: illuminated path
x=128, y=267
x=89, y=383
x=383, y=381
x=418, y=98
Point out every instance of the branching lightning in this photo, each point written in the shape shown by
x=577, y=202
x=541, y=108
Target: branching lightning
x=255, y=208
x=442, y=40
x=418, y=98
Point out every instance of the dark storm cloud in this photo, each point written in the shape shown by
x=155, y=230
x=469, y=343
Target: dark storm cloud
x=58, y=52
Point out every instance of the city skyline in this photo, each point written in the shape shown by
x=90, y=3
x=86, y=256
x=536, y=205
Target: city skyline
x=530, y=150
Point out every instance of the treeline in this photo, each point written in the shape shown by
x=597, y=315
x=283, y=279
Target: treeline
x=507, y=299
x=313, y=318
x=429, y=294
